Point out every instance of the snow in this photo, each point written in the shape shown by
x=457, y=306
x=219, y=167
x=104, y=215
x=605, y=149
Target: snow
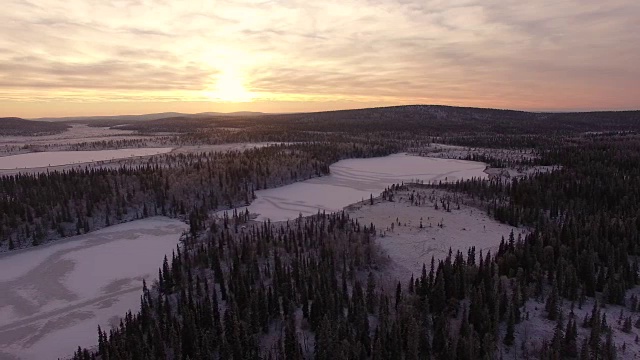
x=55, y=158
x=520, y=172
x=409, y=246
x=134, y=161
x=77, y=133
x=53, y=297
x=460, y=152
x=354, y=180
x=537, y=328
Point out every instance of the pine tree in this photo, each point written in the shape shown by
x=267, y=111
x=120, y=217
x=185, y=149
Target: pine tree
x=371, y=293
x=509, y=337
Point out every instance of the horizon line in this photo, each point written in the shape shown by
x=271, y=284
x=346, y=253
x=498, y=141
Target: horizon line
x=261, y=113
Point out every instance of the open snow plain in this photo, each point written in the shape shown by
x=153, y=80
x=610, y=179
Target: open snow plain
x=353, y=180
x=56, y=158
x=52, y=298
x=410, y=244
x=77, y=133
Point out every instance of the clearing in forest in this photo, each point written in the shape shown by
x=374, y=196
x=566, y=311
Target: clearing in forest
x=417, y=223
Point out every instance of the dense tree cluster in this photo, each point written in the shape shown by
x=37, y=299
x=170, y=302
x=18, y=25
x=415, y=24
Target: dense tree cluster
x=38, y=207
x=585, y=218
x=12, y=126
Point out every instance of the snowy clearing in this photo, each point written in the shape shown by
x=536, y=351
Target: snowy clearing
x=52, y=298
x=409, y=246
x=445, y=151
x=354, y=180
x=56, y=158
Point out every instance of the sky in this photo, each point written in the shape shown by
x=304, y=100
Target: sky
x=106, y=57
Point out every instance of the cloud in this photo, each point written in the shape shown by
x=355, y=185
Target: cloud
x=502, y=53
x=38, y=73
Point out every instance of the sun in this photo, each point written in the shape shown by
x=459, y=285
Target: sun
x=229, y=87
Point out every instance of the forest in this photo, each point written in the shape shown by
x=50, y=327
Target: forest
x=315, y=288
x=12, y=126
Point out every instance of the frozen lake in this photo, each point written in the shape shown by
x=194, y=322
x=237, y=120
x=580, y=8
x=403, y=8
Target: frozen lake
x=52, y=298
x=354, y=180
x=56, y=158
x=77, y=133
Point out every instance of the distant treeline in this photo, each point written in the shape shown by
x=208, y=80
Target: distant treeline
x=11, y=126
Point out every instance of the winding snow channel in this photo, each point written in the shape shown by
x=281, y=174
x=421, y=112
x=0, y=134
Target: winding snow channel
x=53, y=297
x=56, y=158
x=354, y=180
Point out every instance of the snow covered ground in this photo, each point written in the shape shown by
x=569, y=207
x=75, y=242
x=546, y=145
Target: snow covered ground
x=77, y=133
x=409, y=246
x=134, y=161
x=52, y=298
x=56, y=158
x=354, y=180
x=535, y=327
x=460, y=152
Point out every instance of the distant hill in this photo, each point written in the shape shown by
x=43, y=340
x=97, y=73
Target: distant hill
x=144, y=117
x=439, y=119
x=429, y=119
x=12, y=126
x=435, y=120
x=175, y=124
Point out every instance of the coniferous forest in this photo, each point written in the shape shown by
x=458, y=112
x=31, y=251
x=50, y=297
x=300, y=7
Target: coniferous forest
x=314, y=288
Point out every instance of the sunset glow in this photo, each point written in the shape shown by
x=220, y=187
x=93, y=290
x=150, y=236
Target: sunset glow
x=77, y=57
x=229, y=87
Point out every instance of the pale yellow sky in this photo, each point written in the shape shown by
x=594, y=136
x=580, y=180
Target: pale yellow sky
x=101, y=57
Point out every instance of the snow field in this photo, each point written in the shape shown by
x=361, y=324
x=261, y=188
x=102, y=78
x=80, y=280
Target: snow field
x=56, y=158
x=77, y=133
x=354, y=180
x=52, y=298
x=409, y=247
